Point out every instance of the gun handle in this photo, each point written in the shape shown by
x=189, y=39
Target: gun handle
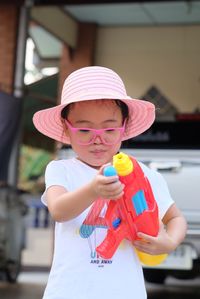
x=111, y=242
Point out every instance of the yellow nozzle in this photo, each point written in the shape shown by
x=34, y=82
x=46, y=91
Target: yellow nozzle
x=122, y=164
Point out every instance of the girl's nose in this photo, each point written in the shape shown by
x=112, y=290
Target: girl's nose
x=98, y=140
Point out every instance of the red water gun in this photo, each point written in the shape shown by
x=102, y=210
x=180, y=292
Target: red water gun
x=135, y=212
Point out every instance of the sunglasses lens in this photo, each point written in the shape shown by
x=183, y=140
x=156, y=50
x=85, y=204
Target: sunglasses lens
x=108, y=136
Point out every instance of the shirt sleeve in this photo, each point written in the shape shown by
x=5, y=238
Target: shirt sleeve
x=55, y=175
x=160, y=190
x=161, y=193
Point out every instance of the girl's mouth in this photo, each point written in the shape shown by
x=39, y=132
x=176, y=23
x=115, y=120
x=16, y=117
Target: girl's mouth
x=98, y=153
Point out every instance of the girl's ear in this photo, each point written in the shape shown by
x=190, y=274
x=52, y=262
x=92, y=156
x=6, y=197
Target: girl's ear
x=65, y=128
x=125, y=124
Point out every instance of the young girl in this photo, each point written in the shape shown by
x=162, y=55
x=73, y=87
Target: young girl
x=94, y=117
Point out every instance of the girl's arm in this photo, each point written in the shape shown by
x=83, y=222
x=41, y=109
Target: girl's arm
x=64, y=205
x=176, y=225
x=169, y=237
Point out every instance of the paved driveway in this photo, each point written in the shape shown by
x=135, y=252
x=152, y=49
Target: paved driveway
x=31, y=286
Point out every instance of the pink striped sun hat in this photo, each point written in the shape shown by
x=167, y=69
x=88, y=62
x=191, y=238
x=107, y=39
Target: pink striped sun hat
x=93, y=83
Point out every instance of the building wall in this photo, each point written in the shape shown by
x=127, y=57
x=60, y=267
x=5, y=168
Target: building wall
x=166, y=57
x=82, y=56
x=8, y=37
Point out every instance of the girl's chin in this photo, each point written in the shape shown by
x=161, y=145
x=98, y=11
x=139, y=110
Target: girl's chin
x=96, y=164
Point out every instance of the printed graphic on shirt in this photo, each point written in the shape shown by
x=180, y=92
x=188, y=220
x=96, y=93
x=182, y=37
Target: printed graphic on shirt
x=95, y=219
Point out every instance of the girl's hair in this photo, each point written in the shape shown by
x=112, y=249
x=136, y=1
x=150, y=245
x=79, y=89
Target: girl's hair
x=123, y=107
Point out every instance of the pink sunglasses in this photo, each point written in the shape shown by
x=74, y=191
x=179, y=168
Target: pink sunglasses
x=86, y=136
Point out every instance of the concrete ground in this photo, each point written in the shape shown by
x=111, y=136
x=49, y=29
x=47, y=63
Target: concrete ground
x=31, y=286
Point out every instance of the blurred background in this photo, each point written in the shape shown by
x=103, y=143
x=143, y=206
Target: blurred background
x=155, y=48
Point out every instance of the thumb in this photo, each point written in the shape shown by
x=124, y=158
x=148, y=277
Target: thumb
x=108, y=170
x=101, y=169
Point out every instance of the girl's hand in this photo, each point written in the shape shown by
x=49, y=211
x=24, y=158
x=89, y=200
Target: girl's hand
x=163, y=243
x=107, y=187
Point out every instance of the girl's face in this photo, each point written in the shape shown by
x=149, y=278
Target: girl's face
x=95, y=114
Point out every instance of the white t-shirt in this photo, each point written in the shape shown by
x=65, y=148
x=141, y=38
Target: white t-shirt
x=77, y=272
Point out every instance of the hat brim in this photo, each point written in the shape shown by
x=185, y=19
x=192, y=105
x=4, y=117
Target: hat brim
x=141, y=117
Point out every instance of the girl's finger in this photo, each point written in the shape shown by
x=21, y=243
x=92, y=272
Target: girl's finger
x=117, y=195
x=114, y=187
x=146, y=237
x=143, y=248
x=109, y=180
